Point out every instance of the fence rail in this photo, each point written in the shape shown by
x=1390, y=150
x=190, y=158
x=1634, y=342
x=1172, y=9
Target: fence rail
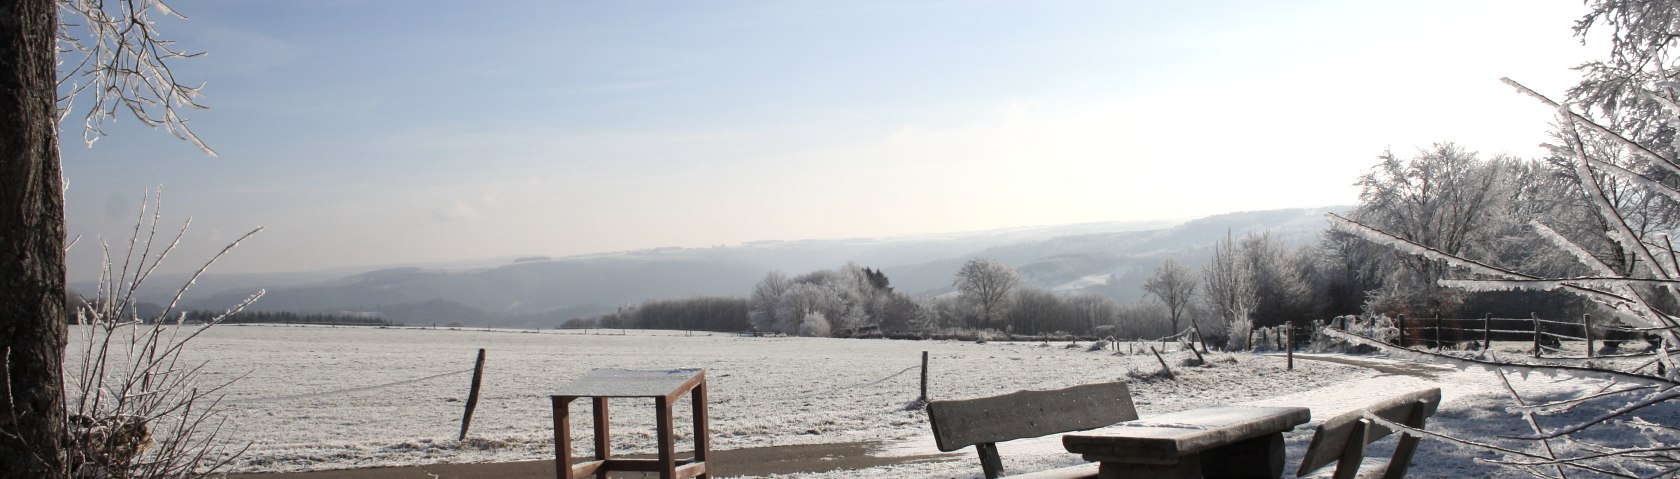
x=1546, y=335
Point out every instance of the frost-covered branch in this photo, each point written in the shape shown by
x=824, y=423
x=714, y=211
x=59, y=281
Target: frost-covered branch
x=119, y=60
x=135, y=406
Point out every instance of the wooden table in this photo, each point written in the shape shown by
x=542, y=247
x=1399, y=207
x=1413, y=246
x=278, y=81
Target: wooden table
x=1222, y=442
x=664, y=387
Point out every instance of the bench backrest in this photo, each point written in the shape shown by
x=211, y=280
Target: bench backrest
x=1024, y=414
x=1342, y=439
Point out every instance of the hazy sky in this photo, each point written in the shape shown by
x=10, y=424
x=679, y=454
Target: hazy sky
x=380, y=132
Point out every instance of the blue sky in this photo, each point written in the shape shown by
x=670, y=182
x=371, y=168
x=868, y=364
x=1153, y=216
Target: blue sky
x=385, y=132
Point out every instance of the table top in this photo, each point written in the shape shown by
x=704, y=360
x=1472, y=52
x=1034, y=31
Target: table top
x=633, y=383
x=1163, y=439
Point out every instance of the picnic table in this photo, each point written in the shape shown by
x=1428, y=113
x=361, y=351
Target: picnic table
x=664, y=387
x=1222, y=442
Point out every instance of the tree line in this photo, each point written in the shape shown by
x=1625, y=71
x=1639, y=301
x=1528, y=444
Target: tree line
x=854, y=300
x=711, y=313
x=287, y=317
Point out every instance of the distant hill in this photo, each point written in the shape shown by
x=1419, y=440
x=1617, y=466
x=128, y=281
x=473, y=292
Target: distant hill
x=535, y=291
x=1117, y=263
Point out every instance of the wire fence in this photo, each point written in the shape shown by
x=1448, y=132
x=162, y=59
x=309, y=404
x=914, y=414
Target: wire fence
x=1581, y=338
x=336, y=392
x=1137, y=345
x=829, y=391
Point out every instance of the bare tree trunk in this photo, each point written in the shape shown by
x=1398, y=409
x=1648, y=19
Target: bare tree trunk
x=32, y=290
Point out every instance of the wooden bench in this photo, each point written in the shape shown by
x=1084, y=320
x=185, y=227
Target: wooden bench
x=1342, y=439
x=984, y=422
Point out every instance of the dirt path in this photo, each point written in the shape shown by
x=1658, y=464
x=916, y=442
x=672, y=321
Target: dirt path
x=758, y=461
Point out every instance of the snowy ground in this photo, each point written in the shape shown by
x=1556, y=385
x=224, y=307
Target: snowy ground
x=322, y=398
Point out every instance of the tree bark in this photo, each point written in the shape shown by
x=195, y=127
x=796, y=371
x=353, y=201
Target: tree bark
x=32, y=289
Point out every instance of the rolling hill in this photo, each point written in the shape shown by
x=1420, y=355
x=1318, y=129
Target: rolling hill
x=1106, y=258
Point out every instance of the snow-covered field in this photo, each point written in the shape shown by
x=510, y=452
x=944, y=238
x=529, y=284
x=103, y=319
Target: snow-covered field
x=323, y=398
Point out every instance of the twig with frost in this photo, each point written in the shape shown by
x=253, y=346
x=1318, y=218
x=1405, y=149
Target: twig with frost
x=138, y=408
x=1528, y=416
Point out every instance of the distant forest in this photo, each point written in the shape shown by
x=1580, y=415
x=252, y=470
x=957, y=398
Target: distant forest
x=283, y=317
x=697, y=314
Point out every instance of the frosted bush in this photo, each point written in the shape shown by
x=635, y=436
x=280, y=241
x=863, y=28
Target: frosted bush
x=1239, y=328
x=1379, y=327
x=814, y=324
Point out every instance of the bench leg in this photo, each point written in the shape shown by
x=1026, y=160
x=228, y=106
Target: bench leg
x=990, y=462
x=1189, y=467
x=1257, y=458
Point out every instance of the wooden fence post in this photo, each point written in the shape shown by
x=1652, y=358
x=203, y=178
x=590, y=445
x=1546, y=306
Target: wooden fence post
x=472, y=397
x=1289, y=330
x=1164, y=367
x=1199, y=339
x=1487, y=331
x=1536, y=319
x=1400, y=319
x=1250, y=337
x=924, y=376
x=1437, y=330
x=1586, y=326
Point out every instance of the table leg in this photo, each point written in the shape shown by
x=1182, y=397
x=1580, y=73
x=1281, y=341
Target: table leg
x=603, y=435
x=667, y=438
x=702, y=429
x=562, y=438
x=1257, y=458
x=1189, y=467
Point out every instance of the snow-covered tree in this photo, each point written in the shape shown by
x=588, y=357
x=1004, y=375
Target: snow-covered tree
x=1095, y=312
x=761, y=306
x=1230, y=290
x=1636, y=299
x=1628, y=148
x=1628, y=88
x=815, y=323
x=1280, y=283
x=1444, y=197
x=1175, y=286
x=805, y=299
x=849, y=298
x=984, y=285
